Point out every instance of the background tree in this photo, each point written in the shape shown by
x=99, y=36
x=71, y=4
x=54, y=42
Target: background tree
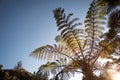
x=1, y=66
x=18, y=66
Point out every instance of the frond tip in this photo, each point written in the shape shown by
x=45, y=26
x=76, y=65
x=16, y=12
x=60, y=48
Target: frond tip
x=39, y=53
x=49, y=67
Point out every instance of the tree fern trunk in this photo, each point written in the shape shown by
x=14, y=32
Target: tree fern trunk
x=90, y=77
x=88, y=73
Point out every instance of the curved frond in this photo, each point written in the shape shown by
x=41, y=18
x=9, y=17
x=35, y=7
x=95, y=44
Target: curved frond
x=51, y=52
x=93, y=26
x=68, y=29
x=108, y=4
x=49, y=67
x=68, y=71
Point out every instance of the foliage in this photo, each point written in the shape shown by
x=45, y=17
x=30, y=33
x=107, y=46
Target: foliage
x=108, y=4
x=14, y=75
x=18, y=66
x=20, y=74
x=1, y=66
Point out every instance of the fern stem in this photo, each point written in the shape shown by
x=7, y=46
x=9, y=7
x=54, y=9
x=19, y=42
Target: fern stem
x=98, y=55
x=93, y=32
x=79, y=47
x=65, y=70
x=71, y=58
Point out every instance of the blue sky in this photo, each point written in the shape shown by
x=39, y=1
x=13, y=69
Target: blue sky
x=29, y=24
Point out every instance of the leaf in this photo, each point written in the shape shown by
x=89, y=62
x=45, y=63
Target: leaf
x=104, y=54
x=64, y=30
x=62, y=26
x=73, y=20
x=61, y=23
x=68, y=34
x=98, y=22
x=75, y=25
x=47, y=52
x=68, y=17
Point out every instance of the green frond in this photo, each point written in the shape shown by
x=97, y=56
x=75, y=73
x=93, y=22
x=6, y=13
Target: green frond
x=108, y=4
x=88, y=25
x=64, y=31
x=94, y=19
x=61, y=23
x=58, y=12
x=109, y=47
x=99, y=22
x=72, y=21
x=68, y=17
x=62, y=26
x=101, y=2
x=99, y=27
x=100, y=17
x=49, y=67
x=62, y=62
x=69, y=32
x=75, y=25
x=58, y=38
x=49, y=52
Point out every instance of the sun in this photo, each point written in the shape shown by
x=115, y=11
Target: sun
x=116, y=76
x=113, y=74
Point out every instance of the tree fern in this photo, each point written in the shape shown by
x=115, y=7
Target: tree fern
x=82, y=47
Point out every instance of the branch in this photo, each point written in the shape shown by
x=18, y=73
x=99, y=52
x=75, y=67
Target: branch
x=79, y=47
x=71, y=58
x=65, y=70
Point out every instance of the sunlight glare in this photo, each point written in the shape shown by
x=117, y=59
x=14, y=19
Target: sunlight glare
x=113, y=74
x=76, y=77
x=116, y=76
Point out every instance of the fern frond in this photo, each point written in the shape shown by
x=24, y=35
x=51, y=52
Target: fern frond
x=68, y=17
x=109, y=47
x=50, y=52
x=49, y=67
x=62, y=26
x=108, y=4
x=93, y=19
x=68, y=28
x=68, y=71
x=93, y=26
x=72, y=21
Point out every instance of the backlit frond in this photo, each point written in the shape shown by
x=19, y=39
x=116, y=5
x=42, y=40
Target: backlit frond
x=108, y=4
x=69, y=32
x=50, y=52
x=93, y=23
x=110, y=47
x=49, y=67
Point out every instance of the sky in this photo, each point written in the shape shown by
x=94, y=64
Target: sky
x=28, y=24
